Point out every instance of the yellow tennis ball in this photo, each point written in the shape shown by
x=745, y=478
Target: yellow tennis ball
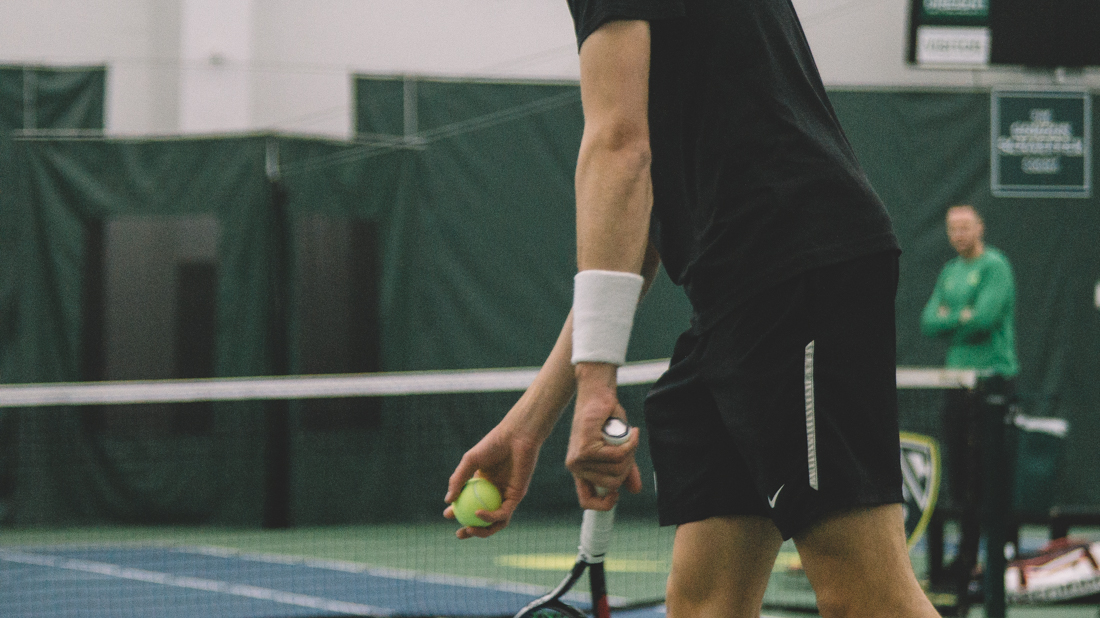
x=478, y=495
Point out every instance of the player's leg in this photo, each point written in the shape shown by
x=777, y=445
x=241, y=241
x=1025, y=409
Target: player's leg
x=725, y=543
x=720, y=567
x=858, y=564
x=853, y=548
x=805, y=381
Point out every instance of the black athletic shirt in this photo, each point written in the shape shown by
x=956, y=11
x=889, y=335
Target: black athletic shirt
x=753, y=178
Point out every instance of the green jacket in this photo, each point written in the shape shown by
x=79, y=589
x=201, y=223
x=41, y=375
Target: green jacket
x=985, y=286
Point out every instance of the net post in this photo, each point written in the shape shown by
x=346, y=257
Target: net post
x=997, y=468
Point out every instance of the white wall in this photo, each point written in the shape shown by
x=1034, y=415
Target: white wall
x=137, y=39
x=215, y=79
x=305, y=56
x=199, y=66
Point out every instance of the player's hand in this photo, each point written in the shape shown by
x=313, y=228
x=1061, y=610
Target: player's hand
x=593, y=462
x=507, y=459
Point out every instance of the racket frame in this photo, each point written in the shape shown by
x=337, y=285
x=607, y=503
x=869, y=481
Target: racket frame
x=595, y=539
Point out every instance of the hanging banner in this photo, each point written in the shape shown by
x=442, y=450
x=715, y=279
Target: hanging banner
x=1041, y=144
x=949, y=33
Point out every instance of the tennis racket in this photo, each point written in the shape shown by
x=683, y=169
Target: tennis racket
x=595, y=539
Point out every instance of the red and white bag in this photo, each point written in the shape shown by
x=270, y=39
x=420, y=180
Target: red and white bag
x=1064, y=570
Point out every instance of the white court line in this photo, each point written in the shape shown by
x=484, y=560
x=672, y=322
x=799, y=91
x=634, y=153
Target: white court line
x=390, y=573
x=194, y=583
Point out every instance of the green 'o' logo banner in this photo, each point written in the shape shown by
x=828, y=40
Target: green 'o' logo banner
x=1041, y=144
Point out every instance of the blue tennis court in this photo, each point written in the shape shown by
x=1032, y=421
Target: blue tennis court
x=211, y=582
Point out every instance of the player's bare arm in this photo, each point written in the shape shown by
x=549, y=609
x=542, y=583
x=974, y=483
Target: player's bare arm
x=614, y=190
x=507, y=454
x=614, y=199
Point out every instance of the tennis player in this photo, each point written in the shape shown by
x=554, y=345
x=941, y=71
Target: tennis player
x=709, y=141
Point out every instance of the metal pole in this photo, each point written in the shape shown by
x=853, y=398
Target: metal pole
x=997, y=465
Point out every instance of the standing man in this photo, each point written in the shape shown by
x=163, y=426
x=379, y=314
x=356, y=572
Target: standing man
x=973, y=306
x=974, y=303
x=709, y=141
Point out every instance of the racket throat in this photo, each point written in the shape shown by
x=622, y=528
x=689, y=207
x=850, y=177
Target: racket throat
x=598, y=584
x=602, y=609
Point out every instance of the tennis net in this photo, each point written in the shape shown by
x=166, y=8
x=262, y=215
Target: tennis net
x=300, y=496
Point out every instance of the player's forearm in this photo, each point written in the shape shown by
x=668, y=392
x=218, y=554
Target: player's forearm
x=543, y=402
x=614, y=200
x=614, y=246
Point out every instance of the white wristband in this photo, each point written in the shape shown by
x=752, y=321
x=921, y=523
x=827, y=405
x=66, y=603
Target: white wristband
x=603, y=314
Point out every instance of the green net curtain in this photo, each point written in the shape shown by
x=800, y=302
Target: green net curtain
x=31, y=99
x=466, y=189
x=925, y=151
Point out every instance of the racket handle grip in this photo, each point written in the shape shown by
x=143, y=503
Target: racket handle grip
x=596, y=525
x=596, y=534
x=615, y=432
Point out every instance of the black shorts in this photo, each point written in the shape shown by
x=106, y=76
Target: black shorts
x=787, y=407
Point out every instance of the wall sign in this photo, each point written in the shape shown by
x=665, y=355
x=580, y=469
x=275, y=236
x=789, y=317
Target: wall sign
x=949, y=33
x=1041, y=144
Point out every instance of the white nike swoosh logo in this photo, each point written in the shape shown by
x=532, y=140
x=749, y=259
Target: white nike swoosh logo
x=771, y=501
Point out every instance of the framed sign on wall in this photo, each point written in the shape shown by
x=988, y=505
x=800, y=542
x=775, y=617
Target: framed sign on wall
x=1041, y=144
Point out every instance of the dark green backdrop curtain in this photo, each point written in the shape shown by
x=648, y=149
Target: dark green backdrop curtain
x=925, y=151
x=484, y=273
x=48, y=100
x=68, y=473
x=252, y=186
x=490, y=239
x=483, y=206
x=477, y=273
x=44, y=100
x=469, y=186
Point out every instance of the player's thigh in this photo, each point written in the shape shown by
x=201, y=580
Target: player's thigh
x=721, y=566
x=698, y=468
x=803, y=377
x=857, y=561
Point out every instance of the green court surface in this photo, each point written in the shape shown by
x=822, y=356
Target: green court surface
x=532, y=553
